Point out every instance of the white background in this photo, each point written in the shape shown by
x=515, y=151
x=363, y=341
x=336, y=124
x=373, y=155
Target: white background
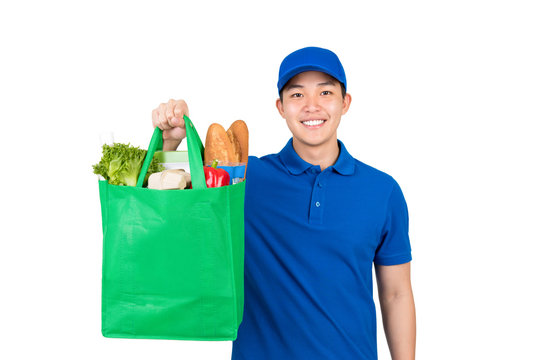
x=445, y=95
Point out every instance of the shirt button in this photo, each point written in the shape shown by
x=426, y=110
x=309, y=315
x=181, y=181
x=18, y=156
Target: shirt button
x=319, y=184
x=317, y=204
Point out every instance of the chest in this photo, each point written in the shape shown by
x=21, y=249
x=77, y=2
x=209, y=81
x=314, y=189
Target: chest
x=321, y=211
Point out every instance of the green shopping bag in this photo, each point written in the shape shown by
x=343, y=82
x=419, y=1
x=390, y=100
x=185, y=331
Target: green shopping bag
x=172, y=259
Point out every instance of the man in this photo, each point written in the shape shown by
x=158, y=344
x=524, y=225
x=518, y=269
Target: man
x=316, y=219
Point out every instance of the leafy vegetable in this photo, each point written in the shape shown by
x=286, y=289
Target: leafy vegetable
x=121, y=164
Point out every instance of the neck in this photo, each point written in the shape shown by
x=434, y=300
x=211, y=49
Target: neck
x=323, y=155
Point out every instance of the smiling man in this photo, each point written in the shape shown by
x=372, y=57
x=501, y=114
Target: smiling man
x=312, y=105
x=316, y=220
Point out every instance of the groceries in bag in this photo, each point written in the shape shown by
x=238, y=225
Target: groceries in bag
x=175, y=179
x=216, y=177
x=230, y=147
x=121, y=163
x=172, y=260
x=172, y=160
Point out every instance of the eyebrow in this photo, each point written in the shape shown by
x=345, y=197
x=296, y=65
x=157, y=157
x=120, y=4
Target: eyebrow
x=329, y=82
x=298, y=86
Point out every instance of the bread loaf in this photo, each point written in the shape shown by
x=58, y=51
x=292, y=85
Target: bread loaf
x=231, y=146
x=239, y=137
x=218, y=145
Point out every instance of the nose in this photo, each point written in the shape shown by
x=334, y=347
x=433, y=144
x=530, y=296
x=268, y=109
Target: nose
x=311, y=103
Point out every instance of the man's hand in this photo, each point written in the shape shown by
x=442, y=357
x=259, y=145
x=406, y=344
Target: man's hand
x=169, y=118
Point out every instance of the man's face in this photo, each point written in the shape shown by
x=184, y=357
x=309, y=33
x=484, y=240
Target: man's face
x=312, y=106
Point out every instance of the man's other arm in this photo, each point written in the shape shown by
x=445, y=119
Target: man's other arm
x=398, y=309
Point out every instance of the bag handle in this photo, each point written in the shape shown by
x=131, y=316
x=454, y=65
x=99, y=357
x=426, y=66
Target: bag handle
x=195, y=152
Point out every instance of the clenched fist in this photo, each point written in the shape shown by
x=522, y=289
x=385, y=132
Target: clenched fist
x=169, y=118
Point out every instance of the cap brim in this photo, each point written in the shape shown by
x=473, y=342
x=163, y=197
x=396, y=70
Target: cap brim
x=299, y=69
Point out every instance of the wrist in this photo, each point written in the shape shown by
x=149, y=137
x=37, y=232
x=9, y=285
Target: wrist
x=171, y=145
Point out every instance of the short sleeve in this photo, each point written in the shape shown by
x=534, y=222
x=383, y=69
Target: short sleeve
x=394, y=247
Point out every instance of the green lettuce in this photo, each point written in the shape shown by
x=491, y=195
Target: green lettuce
x=121, y=164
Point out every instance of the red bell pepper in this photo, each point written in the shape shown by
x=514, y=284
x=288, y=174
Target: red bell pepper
x=216, y=177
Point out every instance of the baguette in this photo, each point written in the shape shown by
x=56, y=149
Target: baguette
x=218, y=145
x=239, y=137
x=231, y=146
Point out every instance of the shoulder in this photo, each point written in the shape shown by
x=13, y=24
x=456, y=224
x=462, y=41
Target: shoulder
x=363, y=175
x=373, y=175
x=265, y=176
x=265, y=158
x=374, y=183
x=264, y=163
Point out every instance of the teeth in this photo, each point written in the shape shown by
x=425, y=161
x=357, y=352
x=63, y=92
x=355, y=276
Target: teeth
x=312, y=122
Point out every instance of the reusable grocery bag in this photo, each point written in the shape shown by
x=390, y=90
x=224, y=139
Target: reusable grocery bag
x=172, y=259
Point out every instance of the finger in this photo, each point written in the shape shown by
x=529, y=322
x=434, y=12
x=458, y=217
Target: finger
x=177, y=122
x=181, y=123
x=170, y=111
x=163, y=121
x=155, y=117
x=180, y=109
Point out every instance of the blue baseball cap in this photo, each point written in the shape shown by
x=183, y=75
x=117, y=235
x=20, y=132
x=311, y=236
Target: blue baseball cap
x=310, y=59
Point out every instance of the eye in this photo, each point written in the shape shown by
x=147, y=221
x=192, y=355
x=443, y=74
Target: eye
x=296, y=95
x=325, y=92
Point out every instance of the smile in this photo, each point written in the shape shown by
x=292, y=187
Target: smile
x=313, y=122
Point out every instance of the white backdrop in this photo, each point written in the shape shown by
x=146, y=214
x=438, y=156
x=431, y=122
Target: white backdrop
x=445, y=95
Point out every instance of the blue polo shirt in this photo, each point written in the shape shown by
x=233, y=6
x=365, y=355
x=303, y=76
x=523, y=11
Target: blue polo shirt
x=311, y=238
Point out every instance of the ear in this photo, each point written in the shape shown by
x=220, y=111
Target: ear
x=346, y=103
x=279, y=105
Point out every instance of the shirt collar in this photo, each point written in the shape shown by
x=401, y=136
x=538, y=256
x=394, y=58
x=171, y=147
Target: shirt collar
x=344, y=165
